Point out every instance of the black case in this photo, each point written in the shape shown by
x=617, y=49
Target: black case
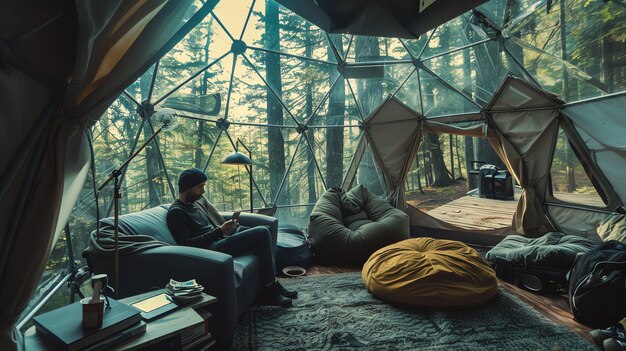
x=538, y=279
x=495, y=183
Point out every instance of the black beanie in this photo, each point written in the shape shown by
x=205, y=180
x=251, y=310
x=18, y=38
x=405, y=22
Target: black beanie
x=190, y=178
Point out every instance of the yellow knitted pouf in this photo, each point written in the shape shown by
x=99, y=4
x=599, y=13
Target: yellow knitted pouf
x=430, y=272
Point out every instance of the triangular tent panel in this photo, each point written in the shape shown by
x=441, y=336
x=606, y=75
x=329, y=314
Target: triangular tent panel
x=587, y=224
x=393, y=133
x=526, y=125
x=604, y=138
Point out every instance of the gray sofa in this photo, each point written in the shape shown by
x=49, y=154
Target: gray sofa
x=234, y=281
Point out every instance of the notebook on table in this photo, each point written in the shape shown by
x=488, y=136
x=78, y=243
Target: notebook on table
x=63, y=327
x=155, y=305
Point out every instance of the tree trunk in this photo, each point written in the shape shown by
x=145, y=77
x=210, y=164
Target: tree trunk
x=419, y=178
x=569, y=159
x=488, y=154
x=569, y=171
x=607, y=56
x=276, y=142
x=469, y=157
x=334, y=138
x=442, y=178
x=129, y=134
x=310, y=169
x=426, y=160
x=488, y=62
x=458, y=155
x=199, y=154
x=451, y=157
x=369, y=94
x=152, y=155
x=468, y=88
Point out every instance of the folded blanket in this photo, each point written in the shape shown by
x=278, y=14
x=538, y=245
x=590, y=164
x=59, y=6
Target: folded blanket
x=104, y=244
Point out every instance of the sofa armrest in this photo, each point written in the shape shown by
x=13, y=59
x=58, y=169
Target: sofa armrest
x=254, y=219
x=150, y=269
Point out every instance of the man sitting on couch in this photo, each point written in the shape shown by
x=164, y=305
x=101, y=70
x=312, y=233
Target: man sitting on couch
x=194, y=221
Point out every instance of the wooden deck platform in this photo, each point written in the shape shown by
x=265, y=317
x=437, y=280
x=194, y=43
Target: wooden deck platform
x=476, y=213
x=473, y=212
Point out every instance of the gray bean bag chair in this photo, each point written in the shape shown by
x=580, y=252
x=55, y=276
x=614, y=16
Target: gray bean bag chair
x=347, y=227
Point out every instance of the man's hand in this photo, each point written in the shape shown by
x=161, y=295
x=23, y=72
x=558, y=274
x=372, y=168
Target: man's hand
x=229, y=227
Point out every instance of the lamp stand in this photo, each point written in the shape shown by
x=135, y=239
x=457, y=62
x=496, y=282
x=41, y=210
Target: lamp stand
x=250, y=174
x=239, y=142
x=115, y=175
x=238, y=159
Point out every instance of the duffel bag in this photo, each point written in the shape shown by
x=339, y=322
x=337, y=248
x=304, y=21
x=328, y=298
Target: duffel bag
x=597, y=292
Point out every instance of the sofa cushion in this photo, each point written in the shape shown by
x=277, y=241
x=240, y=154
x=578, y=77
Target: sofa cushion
x=555, y=250
x=151, y=222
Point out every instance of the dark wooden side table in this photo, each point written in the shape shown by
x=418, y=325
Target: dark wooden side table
x=162, y=333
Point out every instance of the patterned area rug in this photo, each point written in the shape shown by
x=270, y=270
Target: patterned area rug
x=335, y=312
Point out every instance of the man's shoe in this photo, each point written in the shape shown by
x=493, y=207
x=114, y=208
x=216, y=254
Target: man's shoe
x=292, y=294
x=615, y=332
x=271, y=296
x=279, y=301
x=614, y=345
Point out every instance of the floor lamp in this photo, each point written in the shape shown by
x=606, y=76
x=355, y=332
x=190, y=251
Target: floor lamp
x=167, y=119
x=237, y=158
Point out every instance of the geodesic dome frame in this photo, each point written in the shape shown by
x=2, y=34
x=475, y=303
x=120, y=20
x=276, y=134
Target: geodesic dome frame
x=447, y=75
x=243, y=51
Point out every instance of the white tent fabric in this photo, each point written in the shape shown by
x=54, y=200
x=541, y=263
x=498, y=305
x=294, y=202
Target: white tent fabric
x=583, y=222
x=44, y=155
x=523, y=127
x=525, y=120
x=393, y=133
x=605, y=138
x=76, y=169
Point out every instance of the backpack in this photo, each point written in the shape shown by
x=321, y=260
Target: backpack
x=597, y=292
x=293, y=247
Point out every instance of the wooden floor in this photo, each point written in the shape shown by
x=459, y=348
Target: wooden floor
x=474, y=212
x=555, y=308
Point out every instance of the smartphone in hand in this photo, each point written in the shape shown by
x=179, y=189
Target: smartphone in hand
x=235, y=216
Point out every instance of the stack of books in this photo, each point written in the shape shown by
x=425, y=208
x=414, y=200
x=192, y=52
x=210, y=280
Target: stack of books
x=199, y=338
x=63, y=327
x=183, y=292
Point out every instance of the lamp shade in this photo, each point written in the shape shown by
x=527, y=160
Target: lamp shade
x=237, y=158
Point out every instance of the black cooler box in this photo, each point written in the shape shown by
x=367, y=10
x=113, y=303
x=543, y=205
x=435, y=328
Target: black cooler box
x=495, y=183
